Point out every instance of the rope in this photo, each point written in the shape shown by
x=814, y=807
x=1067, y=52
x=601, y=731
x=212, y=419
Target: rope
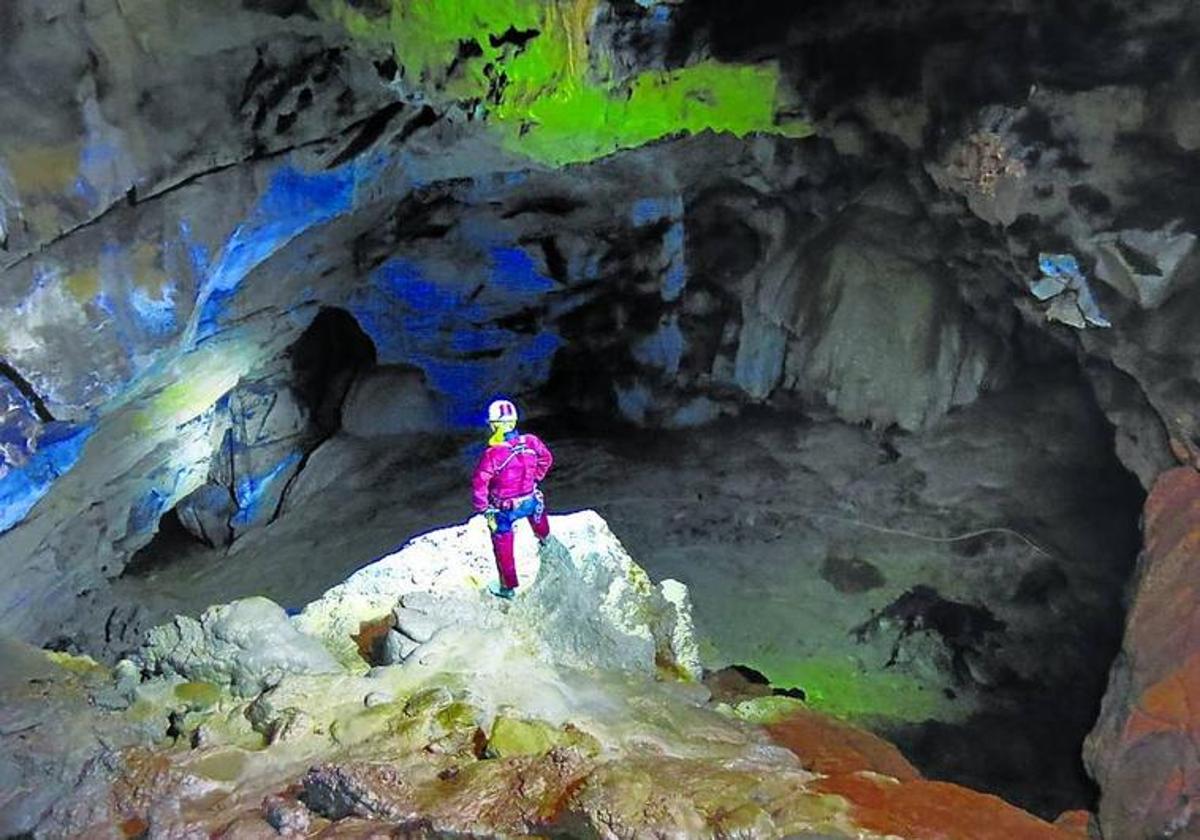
x=848, y=520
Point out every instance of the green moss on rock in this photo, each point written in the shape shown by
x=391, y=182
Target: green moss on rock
x=198, y=695
x=555, y=103
x=513, y=736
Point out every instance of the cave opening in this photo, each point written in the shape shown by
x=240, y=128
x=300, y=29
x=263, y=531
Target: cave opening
x=273, y=420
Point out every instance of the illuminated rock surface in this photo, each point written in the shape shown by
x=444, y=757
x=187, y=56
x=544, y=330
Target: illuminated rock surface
x=496, y=726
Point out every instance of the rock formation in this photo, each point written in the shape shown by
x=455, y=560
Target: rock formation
x=1143, y=751
x=504, y=722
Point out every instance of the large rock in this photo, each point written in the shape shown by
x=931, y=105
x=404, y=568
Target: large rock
x=248, y=645
x=390, y=401
x=205, y=514
x=584, y=602
x=592, y=606
x=1143, y=750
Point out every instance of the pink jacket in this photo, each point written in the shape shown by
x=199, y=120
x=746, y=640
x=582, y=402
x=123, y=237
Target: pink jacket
x=509, y=470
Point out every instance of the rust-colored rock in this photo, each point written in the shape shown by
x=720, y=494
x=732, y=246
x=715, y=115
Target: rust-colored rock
x=919, y=809
x=1143, y=751
x=829, y=746
x=1078, y=823
x=888, y=795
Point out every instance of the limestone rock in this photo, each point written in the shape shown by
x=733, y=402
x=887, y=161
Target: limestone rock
x=684, y=644
x=396, y=648
x=592, y=606
x=584, y=602
x=454, y=563
x=248, y=645
x=205, y=513
x=416, y=625
x=874, y=328
x=1147, y=266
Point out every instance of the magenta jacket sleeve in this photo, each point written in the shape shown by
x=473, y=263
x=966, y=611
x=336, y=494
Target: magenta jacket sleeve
x=481, y=480
x=544, y=458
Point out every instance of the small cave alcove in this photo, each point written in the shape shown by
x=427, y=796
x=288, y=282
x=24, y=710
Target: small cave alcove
x=274, y=419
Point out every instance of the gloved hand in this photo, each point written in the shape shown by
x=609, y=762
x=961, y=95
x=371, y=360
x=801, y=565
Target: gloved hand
x=490, y=515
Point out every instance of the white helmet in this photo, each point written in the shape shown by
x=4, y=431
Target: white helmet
x=502, y=410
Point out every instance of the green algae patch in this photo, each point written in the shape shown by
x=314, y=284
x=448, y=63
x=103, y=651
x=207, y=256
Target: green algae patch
x=82, y=666
x=764, y=710
x=223, y=766
x=842, y=688
x=198, y=695
x=513, y=737
x=386, y=718
x=429, y=701
x=586, y=122
x=457, y=716
x=528, y=66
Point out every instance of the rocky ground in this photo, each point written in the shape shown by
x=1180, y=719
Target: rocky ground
x=571, y=712
x=907, y=581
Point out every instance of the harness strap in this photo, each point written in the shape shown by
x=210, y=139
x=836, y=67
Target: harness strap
x=513, y=452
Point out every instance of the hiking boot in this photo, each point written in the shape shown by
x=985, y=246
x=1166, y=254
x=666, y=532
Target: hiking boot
x=505, y=592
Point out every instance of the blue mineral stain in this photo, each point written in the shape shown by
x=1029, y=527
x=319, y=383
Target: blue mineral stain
x=483, y=339
x=663, y=349
x=156, y=315
x=249, y=490
x=647, y=211
x=294, y=202
x=514, y=271
x=144, y=514
x=57, y=449
x=536, y=354
x=676, y=277
x=441, y=329
x=85, y=191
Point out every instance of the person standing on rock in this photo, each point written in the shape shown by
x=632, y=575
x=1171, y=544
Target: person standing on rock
x=505, y=488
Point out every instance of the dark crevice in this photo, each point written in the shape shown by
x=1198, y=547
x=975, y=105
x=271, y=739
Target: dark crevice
x=27, y=391
x=424, y=119
x=517, y=37
x=372, y=128
x=467, y=50
x=553, y=205
x=556, y=263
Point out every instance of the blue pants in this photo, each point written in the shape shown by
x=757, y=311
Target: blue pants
x=533, y=506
